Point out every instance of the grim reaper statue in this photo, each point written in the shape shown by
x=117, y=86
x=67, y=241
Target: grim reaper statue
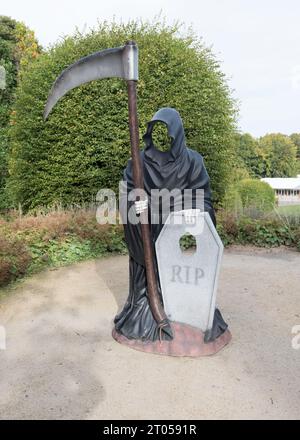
x=143, y=323
x=178, y=167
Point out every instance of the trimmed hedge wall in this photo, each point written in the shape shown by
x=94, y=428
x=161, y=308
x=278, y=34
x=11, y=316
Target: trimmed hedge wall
x=84, y=145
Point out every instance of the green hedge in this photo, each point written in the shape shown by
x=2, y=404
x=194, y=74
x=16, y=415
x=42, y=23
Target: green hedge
x=255, y=193
x=84, y=145
x=3, y=167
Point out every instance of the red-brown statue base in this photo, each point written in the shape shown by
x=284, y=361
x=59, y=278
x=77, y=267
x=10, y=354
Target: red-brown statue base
x=187, y=341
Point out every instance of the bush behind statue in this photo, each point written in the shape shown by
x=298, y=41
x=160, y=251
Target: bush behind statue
x=85, y=143
x=249, y=196
x=256, y=194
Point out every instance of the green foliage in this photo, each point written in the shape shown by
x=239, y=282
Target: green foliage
x=273, y=155
x=280, y=155
x=297, y=238
x=32, y=242
x=232, y=200
x=249, y=154
x=7, y=60
x=249, y=196
x=289, y=210
x=160, y=137
x=72, y=249
x=84, y=145
x=14, y=258
x=268, y=233
x=187, y=241
x=27, y=47
x=295, y=138
x=264, y=232
x=18, y=46
x=3, y=166
x=256, y=194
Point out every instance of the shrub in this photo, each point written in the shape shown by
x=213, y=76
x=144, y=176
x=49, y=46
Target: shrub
x=297, y=238
x=32, y=242
x=263, y=232
x=232, y=201
x=256, y=194
x=84, y=145
x=14, y=259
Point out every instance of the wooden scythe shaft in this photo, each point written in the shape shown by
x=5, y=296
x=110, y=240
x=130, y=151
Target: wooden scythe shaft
x=120, y=62
x=138, y=178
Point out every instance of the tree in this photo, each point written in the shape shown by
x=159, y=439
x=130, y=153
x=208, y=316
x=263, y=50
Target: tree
x=295, y=137
x=84, y=145
x=249, y=154
x=18, y=47
x=7, y=45
x=280, y=155
x=7, y=60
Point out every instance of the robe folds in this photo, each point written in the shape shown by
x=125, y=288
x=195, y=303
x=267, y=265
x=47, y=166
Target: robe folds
x=180, y=168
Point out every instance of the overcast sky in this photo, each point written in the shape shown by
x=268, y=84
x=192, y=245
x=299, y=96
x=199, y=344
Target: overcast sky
x=257, y=42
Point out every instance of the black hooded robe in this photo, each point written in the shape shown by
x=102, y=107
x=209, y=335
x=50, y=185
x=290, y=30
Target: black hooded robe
x=182, y=168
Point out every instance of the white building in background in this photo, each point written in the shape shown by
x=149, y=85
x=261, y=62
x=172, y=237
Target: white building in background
x=287, y=189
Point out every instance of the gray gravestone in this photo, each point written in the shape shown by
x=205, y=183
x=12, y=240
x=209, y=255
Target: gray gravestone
x=189, y=279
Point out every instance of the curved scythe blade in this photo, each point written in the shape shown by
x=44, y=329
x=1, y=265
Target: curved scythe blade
x=120, y=62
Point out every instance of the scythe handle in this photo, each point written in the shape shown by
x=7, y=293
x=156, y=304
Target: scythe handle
x=118, y=62
x=138, y=178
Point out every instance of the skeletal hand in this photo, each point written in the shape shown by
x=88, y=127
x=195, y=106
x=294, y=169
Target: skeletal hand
x=190, y=215
x=141, y=205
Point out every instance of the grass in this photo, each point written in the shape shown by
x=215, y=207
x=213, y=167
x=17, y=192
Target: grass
x=289, y=210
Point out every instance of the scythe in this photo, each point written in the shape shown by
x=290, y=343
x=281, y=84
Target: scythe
x=119, y=62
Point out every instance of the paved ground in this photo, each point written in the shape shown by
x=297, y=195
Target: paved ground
x=61, y=361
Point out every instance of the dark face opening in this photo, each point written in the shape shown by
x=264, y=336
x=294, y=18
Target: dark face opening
x=160, y=137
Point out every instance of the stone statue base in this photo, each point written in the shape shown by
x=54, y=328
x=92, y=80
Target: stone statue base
x=187, y=341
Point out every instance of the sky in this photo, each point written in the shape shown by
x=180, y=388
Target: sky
x=256, y=41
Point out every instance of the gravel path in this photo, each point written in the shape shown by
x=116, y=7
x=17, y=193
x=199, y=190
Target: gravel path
x=61, y=362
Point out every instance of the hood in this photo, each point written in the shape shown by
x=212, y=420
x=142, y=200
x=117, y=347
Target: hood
x=171, y=118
